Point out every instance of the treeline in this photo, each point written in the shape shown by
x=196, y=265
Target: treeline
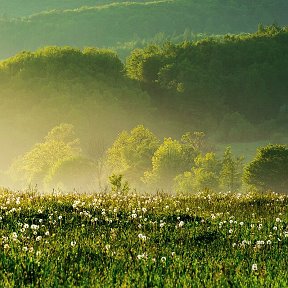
x=111, y=24
x=234, y=84
x=184, y=166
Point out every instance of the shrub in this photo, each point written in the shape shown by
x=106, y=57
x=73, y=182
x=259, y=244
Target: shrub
x=269, y=170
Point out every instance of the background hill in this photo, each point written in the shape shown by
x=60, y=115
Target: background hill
x=102, y=24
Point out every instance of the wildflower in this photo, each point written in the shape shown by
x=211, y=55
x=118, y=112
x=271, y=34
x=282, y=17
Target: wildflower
x=134, y=215
x=144, y=210
x=275, y=228
x=60, y=217
x=162, y=224
x=107, y=247
x=241, y=223
x=173, y=254
x=181, y=224
x=25, y=249
x=141, y=256
x=142, y=237
x=6, y=246
x=269, y=242
x=163, y=259
x=230, y=231
x=38, y=238
x=254, y=267
x=73, y=243
x=47, y=233
x=278, y=220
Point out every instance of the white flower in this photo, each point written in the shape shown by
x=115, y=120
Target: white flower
x=278, y=220
x=241, y=223
x=230, y=231
x=144, y=210
x=60, y=217
x=38, y=238
x=181, y=224
x=269, y=242
x=134, y=215
x=173, y=254
x=162, y=224
x=73, y=243
x=25, y=248
x=163, y=259
x=254, y=267
x=275, y=228
x=141, y=256
x=47, y=233
x=142, y=237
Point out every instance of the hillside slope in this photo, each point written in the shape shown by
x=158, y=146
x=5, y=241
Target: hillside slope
x=108, y=25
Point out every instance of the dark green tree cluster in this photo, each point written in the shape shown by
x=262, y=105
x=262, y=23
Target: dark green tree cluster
x=237, y=80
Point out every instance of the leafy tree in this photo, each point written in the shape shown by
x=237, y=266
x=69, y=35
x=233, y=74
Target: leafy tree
x=171, y=158
x=131, y=153
x=203, y=175
x=34, y=165
x=269, y=169
x=231, y=171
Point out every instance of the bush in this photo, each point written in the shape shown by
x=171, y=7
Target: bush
x=269, y=170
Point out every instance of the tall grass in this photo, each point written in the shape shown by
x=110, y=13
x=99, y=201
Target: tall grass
x=113, y=240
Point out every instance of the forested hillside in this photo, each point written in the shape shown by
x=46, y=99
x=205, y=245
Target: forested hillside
x=233, y=88
x=236, y=84
x=112, y=24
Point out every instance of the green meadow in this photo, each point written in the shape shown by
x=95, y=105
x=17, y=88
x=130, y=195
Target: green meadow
x=116, y=240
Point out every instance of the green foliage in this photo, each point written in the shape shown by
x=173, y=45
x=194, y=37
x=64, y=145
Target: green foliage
x=34, y=165
x=231, y=171
x=269, y=169
x=118, y=185
x=211, y=173
x=98, y=24
x=131, y=153
x=205, y=80
x=170, y=159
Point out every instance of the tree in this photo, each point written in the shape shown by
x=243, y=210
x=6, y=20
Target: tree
x=33, y=166
x=231, y=171
x=203, y=175
x=269, y=169
x=131, y=153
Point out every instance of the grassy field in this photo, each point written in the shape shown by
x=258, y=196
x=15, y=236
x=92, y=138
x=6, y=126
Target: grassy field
x=112, y=240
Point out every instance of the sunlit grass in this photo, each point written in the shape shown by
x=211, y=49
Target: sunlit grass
x=112, y=240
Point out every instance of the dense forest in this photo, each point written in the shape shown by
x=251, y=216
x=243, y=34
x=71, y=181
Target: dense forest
x=231, y=88
x=129, y=24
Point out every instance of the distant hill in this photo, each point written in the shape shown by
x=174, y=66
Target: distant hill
x=108, y=25
x=20, y=8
